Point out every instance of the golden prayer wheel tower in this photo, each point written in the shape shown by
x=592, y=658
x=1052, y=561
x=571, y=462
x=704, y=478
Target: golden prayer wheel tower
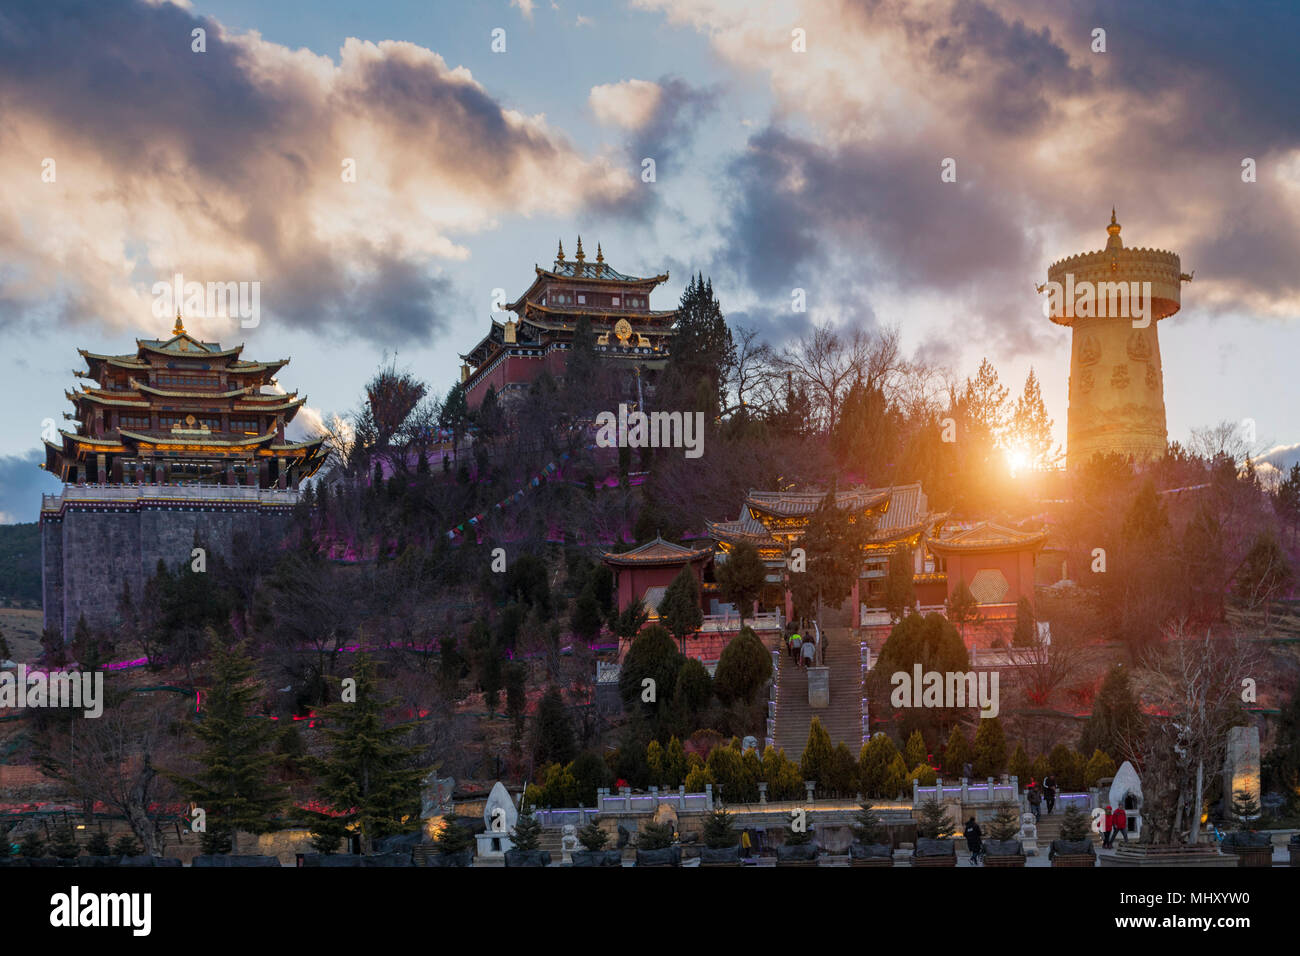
x=1113, y=299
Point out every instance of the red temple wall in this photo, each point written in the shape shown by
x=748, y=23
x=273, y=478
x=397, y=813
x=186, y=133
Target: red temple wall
x=1016, y=566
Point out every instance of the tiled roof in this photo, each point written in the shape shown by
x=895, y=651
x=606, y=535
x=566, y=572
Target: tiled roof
x=656, y=552
x=569, y=269
x=988, y=536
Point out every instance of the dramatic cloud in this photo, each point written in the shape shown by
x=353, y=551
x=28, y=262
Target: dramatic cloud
x=233, y=165
x=1045, y=134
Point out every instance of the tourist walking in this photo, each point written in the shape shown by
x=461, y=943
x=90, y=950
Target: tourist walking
x=1121, y=824
x=974, y=841
x=1109, y=823
x=1049, y=792
x=795, y=642
x=1035, y=797
x=809, y=654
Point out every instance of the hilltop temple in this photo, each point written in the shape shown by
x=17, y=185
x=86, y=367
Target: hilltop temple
x=517, y=351
x=179, y=445
x=181, y=410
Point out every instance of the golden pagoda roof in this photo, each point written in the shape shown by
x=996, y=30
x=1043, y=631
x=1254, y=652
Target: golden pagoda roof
x=195, y=439
x=92, y=395
x=987, y=537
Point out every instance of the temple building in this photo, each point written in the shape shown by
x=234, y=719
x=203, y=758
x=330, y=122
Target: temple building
x=1116, y=387
x=181, y=410
x=645, y=572
x=178, y=446
x=627, y=330
x=774, y=521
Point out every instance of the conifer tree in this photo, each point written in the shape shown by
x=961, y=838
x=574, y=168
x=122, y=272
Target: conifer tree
x=990, y=748
x=98, y=844
x=957, y=754
x=914, y=752
x=868, y=827
x=934, y=822
x=719, y=831
x=593, y=837
x=900, y=590
x=1006, y=822
x=815, y=764
x=679, y=610
x=553, y=731
x=1026, y=633
x=1116, y=715
x=741, y=577
x=126, y=845
x=1074, y=824
x=527, y=833
x=234, y=784
x=64, y=845
x=367, y=773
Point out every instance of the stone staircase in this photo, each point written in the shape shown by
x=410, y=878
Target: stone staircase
x=842, y=719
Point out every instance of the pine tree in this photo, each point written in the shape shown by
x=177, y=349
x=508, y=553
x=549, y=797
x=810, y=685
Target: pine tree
x=990, y=748
x=655, y=836
x=234, y=784
x=1245, y=807
x=1099, y=765
x=962, y=606
x=815, y=764
x=719, y=831
x=914, y=752
x=744, y=668
x=527, y=834
x=64, y=845
x=1116, y=715
x=868, y=827
x=1006, y=822
x=797, y=837
x=900, y=589
x=593, y=837
x=553, y=730
x=702, y=351
x=1031, y=428
x=934, y=822
x=833, y=552
x=874, y=762
x=1074, y=824
x=679, y=610
x=367, y=772
x=454, y=838
x=32, y=845
x=1026, y=633
x=1020, y=766
x=741, y=577
x=126, y=845
x=98, y=844
x=957, y=754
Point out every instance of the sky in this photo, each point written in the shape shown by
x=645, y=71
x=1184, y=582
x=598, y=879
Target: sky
x=797, y=144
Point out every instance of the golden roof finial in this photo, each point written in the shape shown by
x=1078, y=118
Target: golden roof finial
x=581, y=256
x=179, y=327
x=559, y=256
x=1114, y=226
x=600, y=256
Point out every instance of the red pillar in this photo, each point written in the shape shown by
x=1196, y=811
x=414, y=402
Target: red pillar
x=789, y=605
x=857, y=604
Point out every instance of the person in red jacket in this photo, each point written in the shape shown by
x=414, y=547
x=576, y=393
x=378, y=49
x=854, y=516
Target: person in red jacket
x=1109, y=824
x=1121, y=823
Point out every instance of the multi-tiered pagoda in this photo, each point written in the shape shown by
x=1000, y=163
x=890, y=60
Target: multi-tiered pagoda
x=182, y=411
x=627, y=330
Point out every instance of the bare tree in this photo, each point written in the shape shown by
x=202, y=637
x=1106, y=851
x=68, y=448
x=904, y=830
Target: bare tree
x=1042, y=667
x=110, y=760
x=749, y=375
x=828, y=361
x=1198, y=681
